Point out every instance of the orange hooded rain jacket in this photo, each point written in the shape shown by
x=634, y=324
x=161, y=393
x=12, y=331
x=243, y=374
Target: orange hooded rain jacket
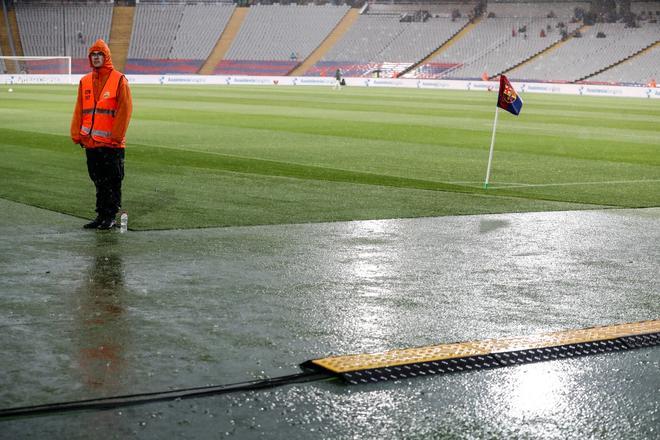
x=116, y=119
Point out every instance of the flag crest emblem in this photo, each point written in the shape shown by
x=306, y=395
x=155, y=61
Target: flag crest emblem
x=507, y=98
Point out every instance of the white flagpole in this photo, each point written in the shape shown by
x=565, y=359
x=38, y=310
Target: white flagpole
x=492, y=145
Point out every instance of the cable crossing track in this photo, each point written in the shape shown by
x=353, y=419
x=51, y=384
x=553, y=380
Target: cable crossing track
x=402, y=364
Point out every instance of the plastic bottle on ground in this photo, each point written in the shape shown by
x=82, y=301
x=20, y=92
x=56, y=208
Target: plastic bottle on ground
x=123, y=221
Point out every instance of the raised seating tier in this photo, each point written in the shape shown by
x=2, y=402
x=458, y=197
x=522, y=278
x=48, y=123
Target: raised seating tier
x=177, y=31
x=602, y=45
x=277, y=32
x=496, y=44
x=63, y=30
x=641, y=69
x=384, y=39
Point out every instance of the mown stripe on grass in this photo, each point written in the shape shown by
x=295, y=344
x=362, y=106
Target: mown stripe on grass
x=412, y=112
x=612, y=145
x=468, y=118
x=173, y=156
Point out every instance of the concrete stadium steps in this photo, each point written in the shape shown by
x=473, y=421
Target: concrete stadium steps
x=5, y=47
x=549, y=49
x=459, y=35
x=337, y=33
x=10, y=34
x=120, y=34
x=15, y=33
x=4, y=35
x=225, y=41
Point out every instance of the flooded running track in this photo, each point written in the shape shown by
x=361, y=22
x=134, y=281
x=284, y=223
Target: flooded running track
x=90, y=314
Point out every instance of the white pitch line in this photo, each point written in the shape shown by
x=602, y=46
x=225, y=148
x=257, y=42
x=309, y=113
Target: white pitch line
x=537, y=185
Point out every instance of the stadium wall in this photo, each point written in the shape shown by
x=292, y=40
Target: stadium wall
x=521, y=87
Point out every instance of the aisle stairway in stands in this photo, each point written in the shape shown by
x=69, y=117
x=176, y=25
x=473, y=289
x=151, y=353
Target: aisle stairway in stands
x=225, y=41
x=337, y=33
x=120, y=34
x=5, y=47
x=460, y=34
x=13, y=33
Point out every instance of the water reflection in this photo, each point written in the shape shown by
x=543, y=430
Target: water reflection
x=487, y=225
x=371, y=268
x=538, y=390
x=102, y=332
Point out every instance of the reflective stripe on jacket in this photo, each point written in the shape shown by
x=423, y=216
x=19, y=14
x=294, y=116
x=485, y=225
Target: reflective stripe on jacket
x=98, y=117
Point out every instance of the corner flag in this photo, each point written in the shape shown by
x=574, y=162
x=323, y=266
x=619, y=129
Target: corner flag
x=508, y=99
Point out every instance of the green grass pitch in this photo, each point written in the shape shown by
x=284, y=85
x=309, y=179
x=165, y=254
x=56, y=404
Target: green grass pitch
x=203, y=156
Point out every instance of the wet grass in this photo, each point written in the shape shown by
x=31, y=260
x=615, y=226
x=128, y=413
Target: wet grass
x=219, y=156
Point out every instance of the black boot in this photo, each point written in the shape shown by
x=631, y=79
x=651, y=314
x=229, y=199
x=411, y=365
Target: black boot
x=107, y=223
x=93, y=224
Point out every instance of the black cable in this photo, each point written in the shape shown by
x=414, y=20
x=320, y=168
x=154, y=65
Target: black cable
x=138, y=399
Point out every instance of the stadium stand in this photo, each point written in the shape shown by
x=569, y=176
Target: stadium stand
x=42, y=29
x=328, y=43
x=381, y=43
x=510, y=34
x=63, y=30
x=598, y=47
x=526, y=39
x=274, y=39
x=641, y=69
x=154, y=30
x=3, y=69
x=175, y=38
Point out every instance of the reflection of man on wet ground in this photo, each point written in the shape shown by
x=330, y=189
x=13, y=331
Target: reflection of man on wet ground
x=102, y=334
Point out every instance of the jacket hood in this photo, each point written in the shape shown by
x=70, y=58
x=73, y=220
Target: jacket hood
x=100, y=46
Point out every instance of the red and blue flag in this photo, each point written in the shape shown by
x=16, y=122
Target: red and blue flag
x=508, y=99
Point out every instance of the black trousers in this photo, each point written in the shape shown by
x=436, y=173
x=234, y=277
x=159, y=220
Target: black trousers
x=106, y=169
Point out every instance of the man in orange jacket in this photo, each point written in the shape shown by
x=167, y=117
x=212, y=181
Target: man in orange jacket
x=100, y=120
